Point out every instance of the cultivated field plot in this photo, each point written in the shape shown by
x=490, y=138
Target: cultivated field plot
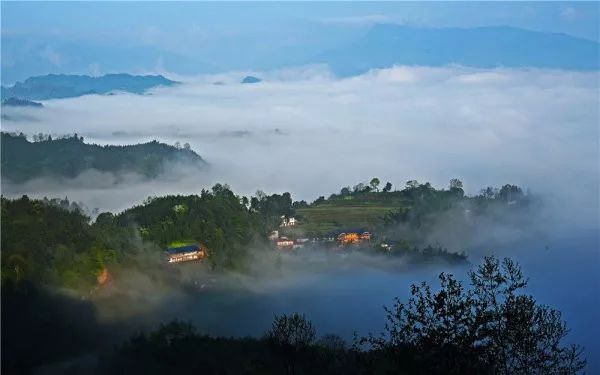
x=328, y=218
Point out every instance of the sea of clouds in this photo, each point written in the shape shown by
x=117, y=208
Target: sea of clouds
x=305, y=131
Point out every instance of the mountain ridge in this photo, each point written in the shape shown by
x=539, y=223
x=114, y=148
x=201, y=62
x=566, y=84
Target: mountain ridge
x=385, y=45
x=58, y=86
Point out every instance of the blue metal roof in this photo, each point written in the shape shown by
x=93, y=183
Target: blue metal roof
x=183, y=249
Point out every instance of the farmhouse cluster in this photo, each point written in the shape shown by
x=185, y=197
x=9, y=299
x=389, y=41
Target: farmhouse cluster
x=346, y=237
x=351, y=236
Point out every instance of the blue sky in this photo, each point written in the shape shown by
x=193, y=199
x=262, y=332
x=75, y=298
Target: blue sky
x=44, y=37
x=143, y=22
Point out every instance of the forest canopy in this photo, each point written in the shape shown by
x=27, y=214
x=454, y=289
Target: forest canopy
x=69, y=156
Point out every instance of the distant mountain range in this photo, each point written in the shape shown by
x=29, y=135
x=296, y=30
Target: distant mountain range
x=381, y=46
x=68, y=157
x=56, y=86
x=483, y=47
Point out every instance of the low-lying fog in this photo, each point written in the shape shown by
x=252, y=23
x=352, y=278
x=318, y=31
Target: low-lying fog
x=309, y=133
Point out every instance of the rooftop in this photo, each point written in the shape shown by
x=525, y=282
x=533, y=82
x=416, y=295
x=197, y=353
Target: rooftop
x=183, y=249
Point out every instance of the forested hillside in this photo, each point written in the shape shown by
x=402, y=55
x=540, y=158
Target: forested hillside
x=50, y=242
x=69, y=156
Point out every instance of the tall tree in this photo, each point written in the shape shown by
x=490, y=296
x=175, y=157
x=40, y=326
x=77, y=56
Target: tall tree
x=412, y=184
x=455, y=183
x=290, y=336
x=490, y=328
x=375, y=183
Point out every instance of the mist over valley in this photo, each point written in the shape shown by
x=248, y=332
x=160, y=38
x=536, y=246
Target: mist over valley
x=385, y=188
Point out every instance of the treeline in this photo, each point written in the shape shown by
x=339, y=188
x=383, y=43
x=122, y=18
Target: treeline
x=69, y=156
x=489, y=327
x=414, y=190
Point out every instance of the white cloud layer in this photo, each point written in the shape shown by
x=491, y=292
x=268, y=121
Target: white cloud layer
x=309, y=133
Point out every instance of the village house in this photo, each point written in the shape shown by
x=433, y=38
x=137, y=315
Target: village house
x=353, y=236
x=185, y=253
x=288, y=222
x=284, y=243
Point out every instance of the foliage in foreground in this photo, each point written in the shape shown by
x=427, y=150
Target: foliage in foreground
x=490, y=328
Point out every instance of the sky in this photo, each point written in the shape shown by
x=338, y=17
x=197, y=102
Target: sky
x=96, y=38
x=149, y=21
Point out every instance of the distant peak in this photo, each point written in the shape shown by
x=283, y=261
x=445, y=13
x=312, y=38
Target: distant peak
x=251, y=79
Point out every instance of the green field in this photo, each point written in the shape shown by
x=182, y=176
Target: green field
x=326, y=218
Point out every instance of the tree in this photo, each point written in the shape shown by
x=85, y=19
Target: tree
x=359, y=188
x=187, y=146
x=455, y=183
x=319, y=200
x=290, y=337
x=490, y=328
x=510, y=193
x=488, y=193
x=412, y=184
x=374, y=183
x=456, y=187
x=387, y=188
x=345, y=191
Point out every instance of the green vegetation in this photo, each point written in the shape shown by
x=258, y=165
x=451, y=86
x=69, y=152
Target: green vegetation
x=325, y=218
x=51, y=242
x=406, y=218
x=69, y=156
x=490, y=327
x=178, y=243
x=215, y=218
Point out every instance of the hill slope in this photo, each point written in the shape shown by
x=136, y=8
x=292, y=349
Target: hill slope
x=68, y=157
